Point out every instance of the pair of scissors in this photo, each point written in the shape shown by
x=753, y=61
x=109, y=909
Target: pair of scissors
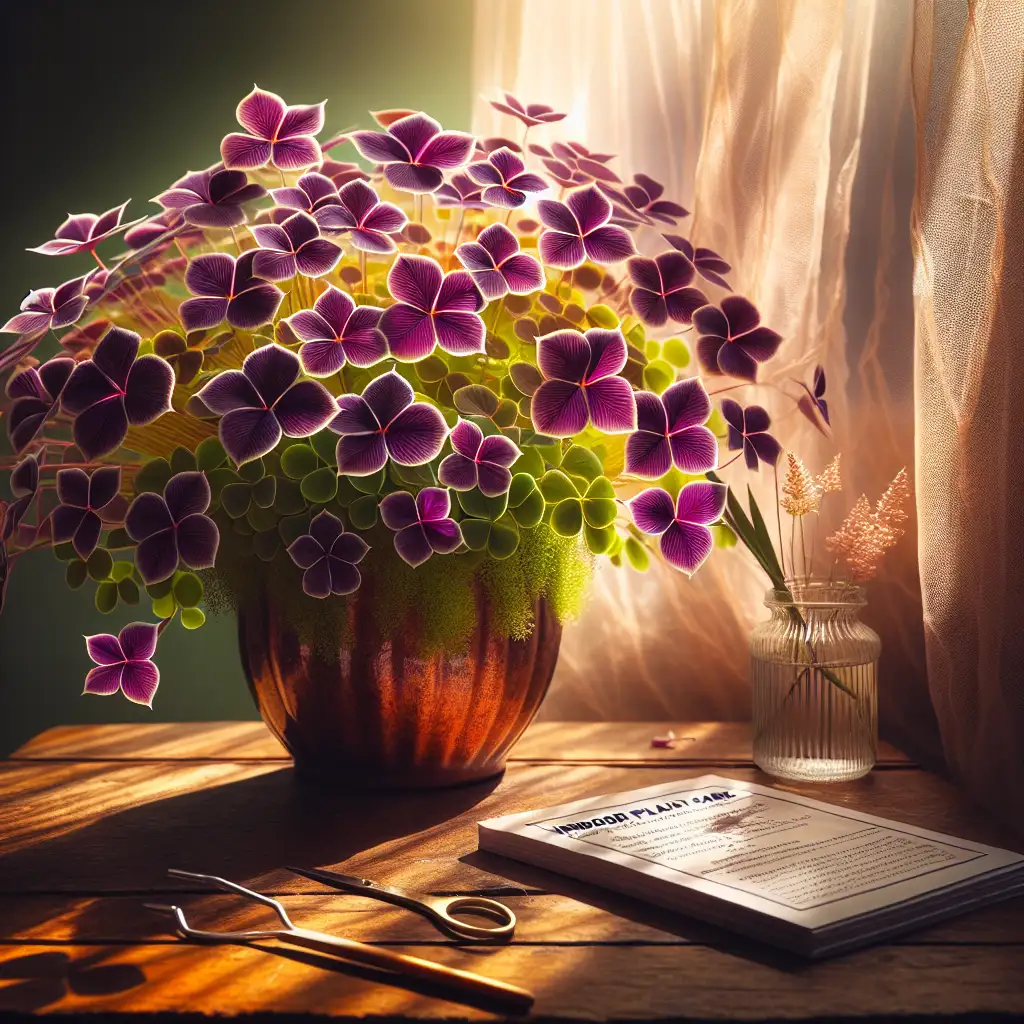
x=437, y=910
x=464, y=983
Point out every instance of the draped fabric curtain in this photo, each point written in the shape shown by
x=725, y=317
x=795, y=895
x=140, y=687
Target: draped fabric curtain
x=968, y=234
x=791, y=129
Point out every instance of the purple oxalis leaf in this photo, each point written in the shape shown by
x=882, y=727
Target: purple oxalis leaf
x=415, y=152
x=124, y=662
x=263, y=400
x=367, y=221
x=274, y=133
x=386, y=422
x=578, y=229
x=661, y=289
x=497, y=266
x=748, y=430
x=731, y=338
x=422, y=525
x=227, y=289
x=82, y=498
x=682, y=527
x=478, y=461
x=328, y=555
x=581, y=384
x=115, y=389
x=173, y=527
x=433, y=308
x=671, y=432
x=336, y=331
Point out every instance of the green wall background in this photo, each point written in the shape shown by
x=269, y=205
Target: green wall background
x=110, y=100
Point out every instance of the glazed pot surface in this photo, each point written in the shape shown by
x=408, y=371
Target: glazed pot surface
x=376, y=712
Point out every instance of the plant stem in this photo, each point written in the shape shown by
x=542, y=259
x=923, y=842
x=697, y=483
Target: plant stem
x=96, y=257
x=497, y=314
x=458, y=235
x=803, y=546
x=778, y=520
x=362, y=268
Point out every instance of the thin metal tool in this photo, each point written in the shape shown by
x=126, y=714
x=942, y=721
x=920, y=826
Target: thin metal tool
x=511, y=996
x=437, y=909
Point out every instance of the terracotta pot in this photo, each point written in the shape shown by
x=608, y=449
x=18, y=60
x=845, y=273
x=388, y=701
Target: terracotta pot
x=380, y=714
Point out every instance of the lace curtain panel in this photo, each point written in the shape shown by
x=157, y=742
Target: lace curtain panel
x=791, y=129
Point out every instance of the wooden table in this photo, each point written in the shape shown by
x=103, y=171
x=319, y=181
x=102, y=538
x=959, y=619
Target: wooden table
x=91, y=816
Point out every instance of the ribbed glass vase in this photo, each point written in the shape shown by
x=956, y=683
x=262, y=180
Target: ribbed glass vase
x=814, y=673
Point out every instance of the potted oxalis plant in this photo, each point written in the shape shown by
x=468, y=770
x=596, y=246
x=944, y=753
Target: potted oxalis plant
x=391, y=415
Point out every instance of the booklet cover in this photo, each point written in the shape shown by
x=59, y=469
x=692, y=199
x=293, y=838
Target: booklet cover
x=810, y=876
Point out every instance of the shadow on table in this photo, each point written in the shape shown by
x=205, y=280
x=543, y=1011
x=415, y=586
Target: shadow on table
x=245, y=830
x=42, y=979
x=688, y=929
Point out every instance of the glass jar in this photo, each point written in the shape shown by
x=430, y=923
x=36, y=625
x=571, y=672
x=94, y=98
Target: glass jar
x=814, y=673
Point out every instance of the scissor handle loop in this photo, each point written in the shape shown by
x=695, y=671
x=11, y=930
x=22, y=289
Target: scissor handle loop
x=442, y=911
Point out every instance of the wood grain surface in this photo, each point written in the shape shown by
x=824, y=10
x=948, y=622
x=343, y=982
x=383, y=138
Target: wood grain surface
x=91, y=817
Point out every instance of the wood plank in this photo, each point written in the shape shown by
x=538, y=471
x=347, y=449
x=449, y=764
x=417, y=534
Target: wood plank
x=578, y=982
x=107, y=828
x=594, y=918
x=722, y=743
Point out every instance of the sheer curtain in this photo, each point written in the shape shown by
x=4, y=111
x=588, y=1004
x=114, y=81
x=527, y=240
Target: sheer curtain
x=755, y=116
x=968, y=233
x=792, y=129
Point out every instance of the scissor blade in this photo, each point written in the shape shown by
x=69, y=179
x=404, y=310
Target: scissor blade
x=335, y=879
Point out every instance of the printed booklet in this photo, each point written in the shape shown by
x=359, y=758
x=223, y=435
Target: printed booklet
x=795, y=872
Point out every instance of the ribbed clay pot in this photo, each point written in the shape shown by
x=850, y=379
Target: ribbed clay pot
x=383, y=715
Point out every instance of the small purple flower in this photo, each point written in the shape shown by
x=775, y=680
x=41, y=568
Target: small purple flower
x=671, y=432
x=34, y=394
x=731, y=340
x=662, y=289
x=294, y=247
x=385, y=422
x=414, y=151
x=578, y=230
x=423, y=524
x=310, y=194
x=685, y=538
x=580, y=384
x=433, y=308
x=329, y=556
x=226, y=289
x=82, y=232
x=337, y=331
x=478, y=461
x=173, y=527
x=461, y=191
x=813, y=401
x=82, y=498
x=277, y=134
x=263, y=400
x=124, y=662
x=113, y=390
x=748, y=430
x=708, y=263
x=505, y=179
x=529, y=114
x=47, y=308
x=368, y=222
x=497, y=266
x=212, y=198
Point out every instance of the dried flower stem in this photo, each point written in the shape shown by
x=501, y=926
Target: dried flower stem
x=778, y=519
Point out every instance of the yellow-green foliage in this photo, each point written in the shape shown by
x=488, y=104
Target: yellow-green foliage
x=433, y=605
